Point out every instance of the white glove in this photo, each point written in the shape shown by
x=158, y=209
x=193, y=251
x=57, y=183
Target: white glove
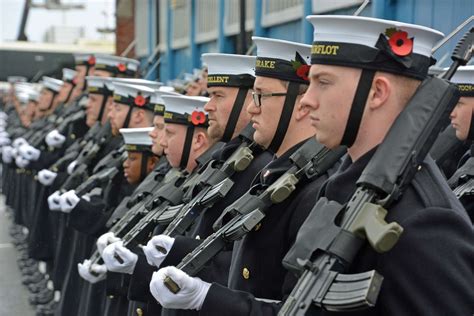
x=71, y=167
x=105, y=240
x=21, y=162
x=3, y=133
x=3, y=116
x=191, y=296
x=4, y=141
x=14, y=152
x=19, y=142
x=155, y=257
x=55, y=139
x=29, y=152
x=53, y=201
x=85, y=271
x=7, y=156
x=129, y=258
x=68, y=201
x=46, y=177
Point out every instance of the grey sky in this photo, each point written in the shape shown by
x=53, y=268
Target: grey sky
x=40, y=20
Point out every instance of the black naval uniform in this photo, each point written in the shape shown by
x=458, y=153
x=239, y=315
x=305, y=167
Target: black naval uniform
x=256, y=272
x=464, y=173
x=430, y=269
x=139, y=284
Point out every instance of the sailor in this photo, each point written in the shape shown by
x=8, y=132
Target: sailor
x=463, y=123
x=359, y=85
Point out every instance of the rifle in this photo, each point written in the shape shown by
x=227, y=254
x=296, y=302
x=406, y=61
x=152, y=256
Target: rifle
x=321, y=253
x=155, y=209
x=215, y=184
x=463, y=179
x=101, y=177
x=310, y=160
x=171, y=192
x=62, y=127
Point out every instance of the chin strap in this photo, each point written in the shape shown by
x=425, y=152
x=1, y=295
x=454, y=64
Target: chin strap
x=70, y=93
x=106, y=95
x=187, y=147
x=470, y=133
x=235, y=114
x=144, y=166
x=357, y=107
x=285, y=117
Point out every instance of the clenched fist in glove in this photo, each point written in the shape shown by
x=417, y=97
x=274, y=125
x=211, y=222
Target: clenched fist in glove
x=104, y=240
x=192, y=292
x=92, y=274
x=18, y=142
x=7, y=155
x=157, y=249
x=54, y=201
x=21, y=162
x=55, y=139
x=29, y=152
x=46, y=177
x=117, y=258
x=68, y=201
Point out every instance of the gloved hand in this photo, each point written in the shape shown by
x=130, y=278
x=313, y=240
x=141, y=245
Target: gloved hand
x=29, y=152
x=5, y=141
x=85, y=271
x=3, y=133
x=55, y=139
x=129, y=258
x=157, y=249
x=19, y=142
x=14, y=152
x=68, y=201
x=191, y=296
x=53, y=201
x=7, y=156
x=104, y=240
x=46, y=177
x=71, y=167
x=21, y=162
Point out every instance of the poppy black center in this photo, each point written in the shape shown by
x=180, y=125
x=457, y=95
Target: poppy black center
x=399, y=42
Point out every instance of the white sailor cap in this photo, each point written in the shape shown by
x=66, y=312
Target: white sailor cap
x=98, y=85
x=134, y=95
x=15, y=79
x=69, y=75
x=230, y=70
x=185, y=110
x=84, y=59
x=464, y=79
x=116, y=65
x=52, y=84
x=137, y=139
x=140, y=82
x=157, y=100
x=29, y=90
x=374, y=44
x=289, y=61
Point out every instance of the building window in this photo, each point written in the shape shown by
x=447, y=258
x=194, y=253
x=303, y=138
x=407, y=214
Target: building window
x=232, y=16
x=207, y=15
x=281, y=11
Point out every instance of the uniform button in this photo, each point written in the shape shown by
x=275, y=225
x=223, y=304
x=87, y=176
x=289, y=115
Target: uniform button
x=73, y=136
x=257, y=227
x=139, y=312
x=197, y=237
x=111, y=296
x=246, y=273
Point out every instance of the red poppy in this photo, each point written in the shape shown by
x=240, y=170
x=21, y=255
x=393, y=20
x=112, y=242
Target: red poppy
x=91, y=61
x=140, y=100
x=198, y=117
x=400, y=44
x=121, y=67
x=303, y=72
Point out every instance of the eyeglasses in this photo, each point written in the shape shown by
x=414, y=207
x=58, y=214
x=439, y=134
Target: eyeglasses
x=257, y=97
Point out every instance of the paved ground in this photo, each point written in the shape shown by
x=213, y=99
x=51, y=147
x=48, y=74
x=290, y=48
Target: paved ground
x=13, y=295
